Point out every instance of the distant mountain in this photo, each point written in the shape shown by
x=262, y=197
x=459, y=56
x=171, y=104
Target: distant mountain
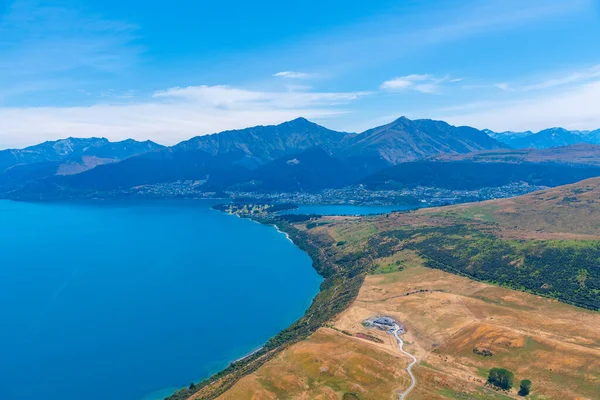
x=64, y=157
x=74, y=150
x=554, y=137
x=399, y=141
x=548, y=138
x=260, y=144
x=592, y=136
x=507, y=135
x=405, y=140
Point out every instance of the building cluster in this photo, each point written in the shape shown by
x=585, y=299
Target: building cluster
x=418, y=196
x=356, y=195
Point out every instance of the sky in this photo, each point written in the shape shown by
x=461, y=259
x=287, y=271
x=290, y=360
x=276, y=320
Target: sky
x=168, y=71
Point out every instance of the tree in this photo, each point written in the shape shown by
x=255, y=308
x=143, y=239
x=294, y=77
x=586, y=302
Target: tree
x=501, y=378
x=525, y=387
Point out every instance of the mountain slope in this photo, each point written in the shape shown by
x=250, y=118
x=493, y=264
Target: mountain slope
x=466, y=175
x=405, y=140
x=311, y=170
x=64, y=157
x=149, y=168
x=73, y=150
x=577, y=154
x=261, y=144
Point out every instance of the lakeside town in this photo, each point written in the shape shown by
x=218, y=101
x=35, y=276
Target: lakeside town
x=355, y=195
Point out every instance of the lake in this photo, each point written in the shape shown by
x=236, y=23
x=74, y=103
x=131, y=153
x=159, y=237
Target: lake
x=130, y=301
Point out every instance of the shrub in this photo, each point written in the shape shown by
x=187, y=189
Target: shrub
x=525, y=387
x=501, y=378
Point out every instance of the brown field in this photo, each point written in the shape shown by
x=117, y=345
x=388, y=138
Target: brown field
x=326, y=366
x=555, y=345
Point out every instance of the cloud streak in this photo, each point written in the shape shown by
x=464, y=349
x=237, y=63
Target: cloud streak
x=422, y=83
x=572, y=108
x=293, y=75
x=574, y=77
x=171, y=115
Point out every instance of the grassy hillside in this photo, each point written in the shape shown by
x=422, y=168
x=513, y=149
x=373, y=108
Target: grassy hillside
x=457, y=278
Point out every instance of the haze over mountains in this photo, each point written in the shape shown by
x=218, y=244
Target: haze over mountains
x=300, y=155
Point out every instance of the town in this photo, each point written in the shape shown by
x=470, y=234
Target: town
x=356, y=194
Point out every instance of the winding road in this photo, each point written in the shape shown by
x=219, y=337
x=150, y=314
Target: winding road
x=413, y=383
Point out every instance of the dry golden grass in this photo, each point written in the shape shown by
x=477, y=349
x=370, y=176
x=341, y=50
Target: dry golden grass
x=325, y=366
x=555, y=345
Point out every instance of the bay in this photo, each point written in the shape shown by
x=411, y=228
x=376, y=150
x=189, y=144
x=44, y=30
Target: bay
x=126, y=301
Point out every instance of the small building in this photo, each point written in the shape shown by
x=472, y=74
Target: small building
x=387, y=321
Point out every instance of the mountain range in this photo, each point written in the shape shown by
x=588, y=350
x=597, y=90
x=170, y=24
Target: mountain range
x=548, y=138
x=65, y=157
x=297, y=155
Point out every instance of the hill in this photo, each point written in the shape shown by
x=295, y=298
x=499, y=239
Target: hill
x=578, y=154
x=472, y=175
x=474, y=286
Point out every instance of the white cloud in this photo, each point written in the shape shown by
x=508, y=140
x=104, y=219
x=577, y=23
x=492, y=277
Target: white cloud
x=572, y=108
x=573, y=77
x=170, y=115
x=423, y=83
x=292, y=75
x=227, y=97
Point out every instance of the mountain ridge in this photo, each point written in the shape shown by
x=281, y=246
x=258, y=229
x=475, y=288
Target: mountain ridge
x=297, y=155
x=407, y=140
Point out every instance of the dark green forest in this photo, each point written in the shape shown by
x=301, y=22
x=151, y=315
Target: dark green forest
x=567, y=270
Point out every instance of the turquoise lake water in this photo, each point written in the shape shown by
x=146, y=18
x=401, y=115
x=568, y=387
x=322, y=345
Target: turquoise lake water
x=129, y=301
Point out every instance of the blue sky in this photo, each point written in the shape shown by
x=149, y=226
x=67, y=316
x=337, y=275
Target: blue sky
x=171, y=70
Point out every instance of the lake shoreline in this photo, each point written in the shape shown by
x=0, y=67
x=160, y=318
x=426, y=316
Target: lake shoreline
x=325, y=305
